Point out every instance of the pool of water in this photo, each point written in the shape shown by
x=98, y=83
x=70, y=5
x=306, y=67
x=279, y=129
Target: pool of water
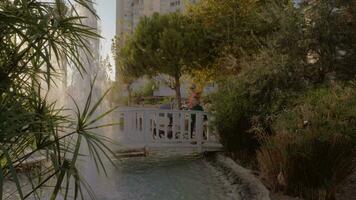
x=160, y=177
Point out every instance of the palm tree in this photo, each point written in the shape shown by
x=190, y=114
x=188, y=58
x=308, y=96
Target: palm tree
x=33, y=36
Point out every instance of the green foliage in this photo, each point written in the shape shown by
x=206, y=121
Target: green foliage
x=244, y=104
x=313, y=166
x=292, y=95
x=327, y=110
x=237, y=29
x=230, y=22
x=330, y=36
x=128, y=67
x=170, y=44
x=232, y=110
x=267, y=78
x=35, y=38
x=313, y=147
x=146, y=90
x=116, y=95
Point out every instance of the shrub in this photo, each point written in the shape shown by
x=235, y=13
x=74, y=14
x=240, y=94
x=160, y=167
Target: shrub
x=313, y=150
x=311, y=166
x=146, y=90
x=270, y=159
x=328, y=110
x=232, y=111
x=314, y=166
x=245, y=103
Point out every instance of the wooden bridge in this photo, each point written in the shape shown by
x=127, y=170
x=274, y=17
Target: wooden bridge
x=167, y=129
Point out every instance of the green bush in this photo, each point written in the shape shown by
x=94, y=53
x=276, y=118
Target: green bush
x=313, y=149
x=316, y=166
x=312, y=166
x=244, y=104
x=270, y=159
x=279, y=102
x=232, y=111
x=146, y=90
x=327, y=110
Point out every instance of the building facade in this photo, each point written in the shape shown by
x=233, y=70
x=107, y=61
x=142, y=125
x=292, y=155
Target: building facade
x=129, y=12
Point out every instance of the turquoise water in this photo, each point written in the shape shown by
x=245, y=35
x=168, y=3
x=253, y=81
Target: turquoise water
x=160, y=178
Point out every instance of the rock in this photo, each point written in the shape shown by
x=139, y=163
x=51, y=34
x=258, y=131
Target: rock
x=246, y=185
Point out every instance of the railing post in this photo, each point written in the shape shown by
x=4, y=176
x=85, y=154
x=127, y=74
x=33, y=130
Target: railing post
x=181, y=126
x=126, y=125
x=145, y=127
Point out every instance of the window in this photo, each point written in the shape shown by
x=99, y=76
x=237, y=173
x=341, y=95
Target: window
x=175, y=3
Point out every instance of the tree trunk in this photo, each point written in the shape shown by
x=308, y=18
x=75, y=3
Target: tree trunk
x=177, y=89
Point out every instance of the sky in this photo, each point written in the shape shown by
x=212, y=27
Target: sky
x=106, y=9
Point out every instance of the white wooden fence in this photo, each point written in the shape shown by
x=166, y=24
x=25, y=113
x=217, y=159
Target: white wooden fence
x=167, y=128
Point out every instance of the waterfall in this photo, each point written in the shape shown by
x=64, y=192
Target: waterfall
x=79, y=89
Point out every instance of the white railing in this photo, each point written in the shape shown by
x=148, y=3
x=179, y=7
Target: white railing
x=159, y=128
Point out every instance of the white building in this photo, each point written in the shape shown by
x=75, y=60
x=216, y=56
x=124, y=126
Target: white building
x=129, y=12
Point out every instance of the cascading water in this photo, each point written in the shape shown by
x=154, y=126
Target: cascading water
x=79, y=90
x=80, y=82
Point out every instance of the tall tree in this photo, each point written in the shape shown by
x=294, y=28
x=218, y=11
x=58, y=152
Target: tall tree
x=129, y=68
x=237, y=29
x=170, y=44
x=330, y=35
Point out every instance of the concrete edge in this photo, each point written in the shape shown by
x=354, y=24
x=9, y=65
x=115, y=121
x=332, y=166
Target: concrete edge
x=245, y=185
